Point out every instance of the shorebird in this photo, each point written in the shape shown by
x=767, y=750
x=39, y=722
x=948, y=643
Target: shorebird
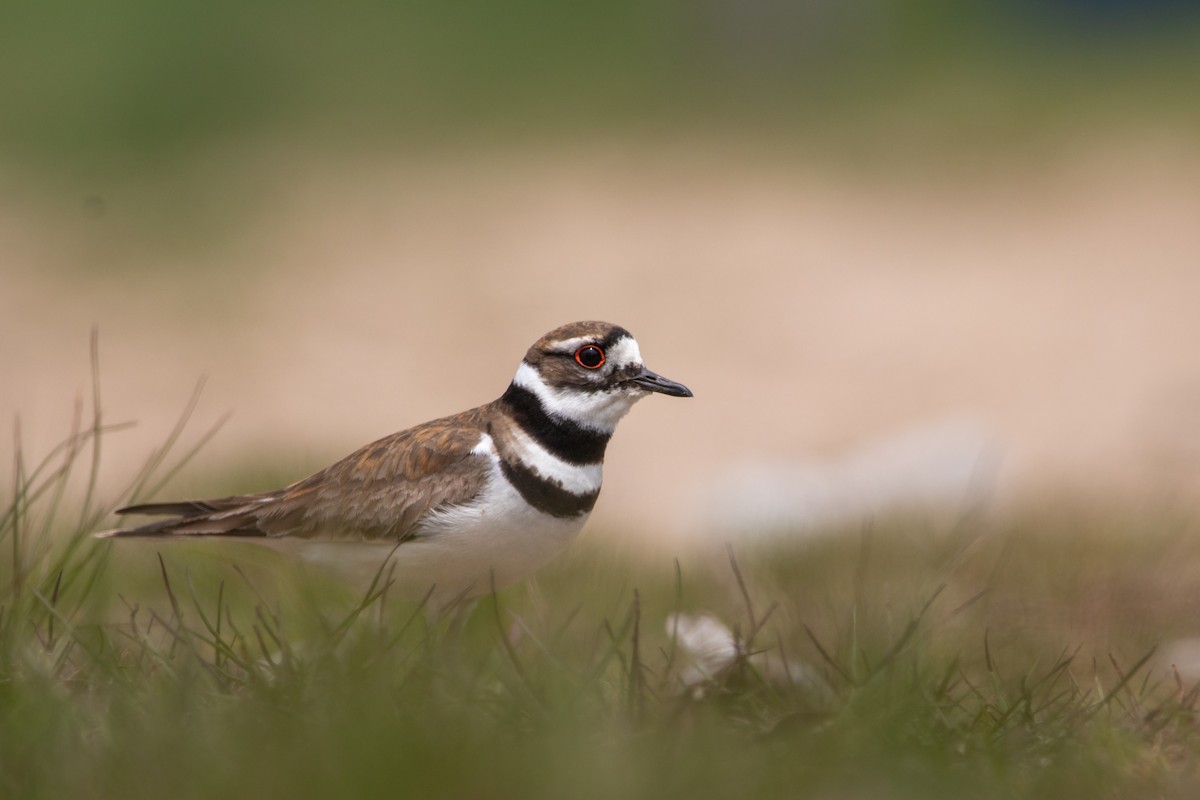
x=464, y=504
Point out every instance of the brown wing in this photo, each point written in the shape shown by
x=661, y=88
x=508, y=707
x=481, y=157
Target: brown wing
x=379, y=492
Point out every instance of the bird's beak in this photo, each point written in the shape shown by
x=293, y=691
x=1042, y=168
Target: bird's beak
x=657, y=383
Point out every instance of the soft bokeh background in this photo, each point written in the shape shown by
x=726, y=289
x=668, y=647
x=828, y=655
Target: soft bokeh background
x=904, y=252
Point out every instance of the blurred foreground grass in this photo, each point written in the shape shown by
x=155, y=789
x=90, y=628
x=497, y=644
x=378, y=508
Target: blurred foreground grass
x=980, y=658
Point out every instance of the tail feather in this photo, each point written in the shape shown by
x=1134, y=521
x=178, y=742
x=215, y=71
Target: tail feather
x=183, y=508
x=226, y=516
x=196, y=508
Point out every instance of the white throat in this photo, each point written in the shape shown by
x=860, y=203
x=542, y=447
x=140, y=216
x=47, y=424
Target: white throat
x=598, y=411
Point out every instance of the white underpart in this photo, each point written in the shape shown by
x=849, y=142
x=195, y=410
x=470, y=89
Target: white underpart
x=599, y=411
x=486, y=447
x=460, y=553
x=579, y=479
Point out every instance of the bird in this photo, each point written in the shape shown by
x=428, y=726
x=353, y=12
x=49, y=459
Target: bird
x=460, y=506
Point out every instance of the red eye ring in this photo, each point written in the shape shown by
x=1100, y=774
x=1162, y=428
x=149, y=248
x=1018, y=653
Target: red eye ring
x=590, y=357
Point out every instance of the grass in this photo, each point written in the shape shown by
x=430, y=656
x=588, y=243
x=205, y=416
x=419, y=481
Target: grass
x=994, y=656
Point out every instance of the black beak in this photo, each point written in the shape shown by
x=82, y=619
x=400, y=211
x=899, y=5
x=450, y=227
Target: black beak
x=657, y=383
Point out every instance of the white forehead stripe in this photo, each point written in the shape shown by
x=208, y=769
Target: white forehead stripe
x=578, y=479
x=625, y=352
x=598, y=411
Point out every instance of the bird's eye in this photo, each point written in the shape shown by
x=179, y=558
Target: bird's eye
x=590, y=356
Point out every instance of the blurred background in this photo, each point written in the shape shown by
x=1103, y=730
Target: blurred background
x=905, y=253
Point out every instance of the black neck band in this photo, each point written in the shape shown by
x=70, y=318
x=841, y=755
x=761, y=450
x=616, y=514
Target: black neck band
x=568, y=440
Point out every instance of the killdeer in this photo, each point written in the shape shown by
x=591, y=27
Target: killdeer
x=479, y=499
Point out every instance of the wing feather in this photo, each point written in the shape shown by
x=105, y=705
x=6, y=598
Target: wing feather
x=379, y=492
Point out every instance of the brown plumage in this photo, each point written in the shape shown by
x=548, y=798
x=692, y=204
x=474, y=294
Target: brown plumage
x=378, y=492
